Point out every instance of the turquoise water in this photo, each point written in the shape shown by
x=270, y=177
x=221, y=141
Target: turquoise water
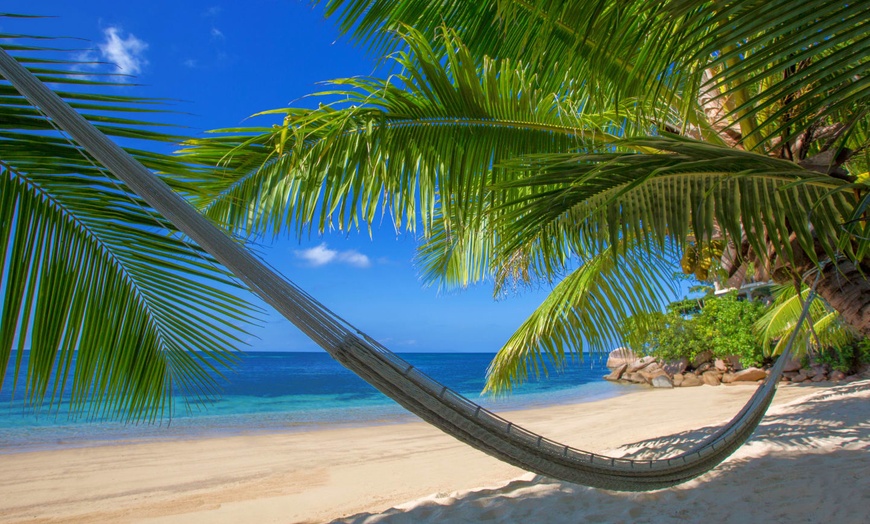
x=272, y=392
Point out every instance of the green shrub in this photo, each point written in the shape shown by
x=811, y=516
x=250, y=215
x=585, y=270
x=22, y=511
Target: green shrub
x=847, y=358
x=667, y=336
x=728, y=323
x=863, y=351
x=839, y=359
x=722, y=325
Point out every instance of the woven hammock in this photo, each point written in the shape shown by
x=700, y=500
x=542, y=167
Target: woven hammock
x=423, y=396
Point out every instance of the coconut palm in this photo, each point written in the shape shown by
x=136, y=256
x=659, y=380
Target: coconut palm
x=102, y=303
x=584, y=142
x=824, y=330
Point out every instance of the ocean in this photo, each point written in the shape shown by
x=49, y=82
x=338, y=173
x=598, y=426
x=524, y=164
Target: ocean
x=275, y=392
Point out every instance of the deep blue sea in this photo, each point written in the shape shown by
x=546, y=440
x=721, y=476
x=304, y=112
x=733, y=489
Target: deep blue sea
x=274, y=392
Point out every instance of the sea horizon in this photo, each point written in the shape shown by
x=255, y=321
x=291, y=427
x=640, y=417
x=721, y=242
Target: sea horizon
x=274, y=392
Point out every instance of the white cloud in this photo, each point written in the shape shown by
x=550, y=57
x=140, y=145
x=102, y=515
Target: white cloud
x=322, y=255
x=318, y=256
x=216, y=33
x=128, y=54
x=354, y=259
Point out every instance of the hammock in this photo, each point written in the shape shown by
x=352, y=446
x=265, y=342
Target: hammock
x=423, y=396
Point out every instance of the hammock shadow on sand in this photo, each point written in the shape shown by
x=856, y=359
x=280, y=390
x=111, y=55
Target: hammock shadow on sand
x=792, y=426
x=834, y=489
x=813, y=442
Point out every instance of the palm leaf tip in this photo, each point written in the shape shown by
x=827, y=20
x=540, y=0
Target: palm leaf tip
x=584, y=312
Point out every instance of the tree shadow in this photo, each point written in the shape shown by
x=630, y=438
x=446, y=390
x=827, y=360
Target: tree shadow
x=806, y=462
x=797, y=425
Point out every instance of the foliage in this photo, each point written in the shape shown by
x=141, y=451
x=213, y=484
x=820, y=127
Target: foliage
x=723, y=325
x=846, y=358
x=687, y=306
x=115, y=307
x=862, y=350
x=598, y=285
x=729, y=324
x=668, y=336
x=824, y=329
x=527, y=138
x=782, y=66
x=752, y=331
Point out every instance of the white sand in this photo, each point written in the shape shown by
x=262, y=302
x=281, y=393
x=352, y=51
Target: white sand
x=807, y=463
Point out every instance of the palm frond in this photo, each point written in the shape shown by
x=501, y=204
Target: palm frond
x=117, y=311
x=781, y=318
x=783, y=67
x=584, y=312
x=440, y=127
x=457, y=258
x=777, y=69
x=687, y=190
x=614, y=48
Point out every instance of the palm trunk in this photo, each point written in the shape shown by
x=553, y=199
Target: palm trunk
x=846, y=288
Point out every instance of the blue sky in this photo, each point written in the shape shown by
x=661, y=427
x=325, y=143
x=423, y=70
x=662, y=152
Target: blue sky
x=223, y=61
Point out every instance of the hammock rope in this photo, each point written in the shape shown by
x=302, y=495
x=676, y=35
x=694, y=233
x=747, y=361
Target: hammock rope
x=415, y=391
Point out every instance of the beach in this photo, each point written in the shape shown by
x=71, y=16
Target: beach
x=808, y=459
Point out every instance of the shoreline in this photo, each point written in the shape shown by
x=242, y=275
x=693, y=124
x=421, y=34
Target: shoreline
x=69, y=435
x=318, y=476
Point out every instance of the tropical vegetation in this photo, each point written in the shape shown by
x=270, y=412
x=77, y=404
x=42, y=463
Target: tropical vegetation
x=103, y=304
x=588, y=144
x=846, y=358
x=728, y=326
x=585, y=144
x=723, y=325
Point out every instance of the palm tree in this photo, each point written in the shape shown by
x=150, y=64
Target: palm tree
x=102, y=303
x=590, y=142
x=825, y=330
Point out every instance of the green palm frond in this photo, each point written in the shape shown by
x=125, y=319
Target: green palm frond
x=471, y=255
x=777, y=69
x=118, y=311
x=782, y=67
x=781, y=317
x=687, y=189
x=440, y=127
x=584, y=312
x=606, y=44
x=596, y=36
x=456, y=259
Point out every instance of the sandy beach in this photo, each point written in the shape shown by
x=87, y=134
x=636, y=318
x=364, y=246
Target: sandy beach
x=808, y=462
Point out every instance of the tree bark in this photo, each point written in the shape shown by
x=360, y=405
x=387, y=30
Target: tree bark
x=846, y=288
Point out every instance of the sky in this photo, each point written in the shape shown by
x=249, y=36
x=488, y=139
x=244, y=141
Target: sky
x=222, y=61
